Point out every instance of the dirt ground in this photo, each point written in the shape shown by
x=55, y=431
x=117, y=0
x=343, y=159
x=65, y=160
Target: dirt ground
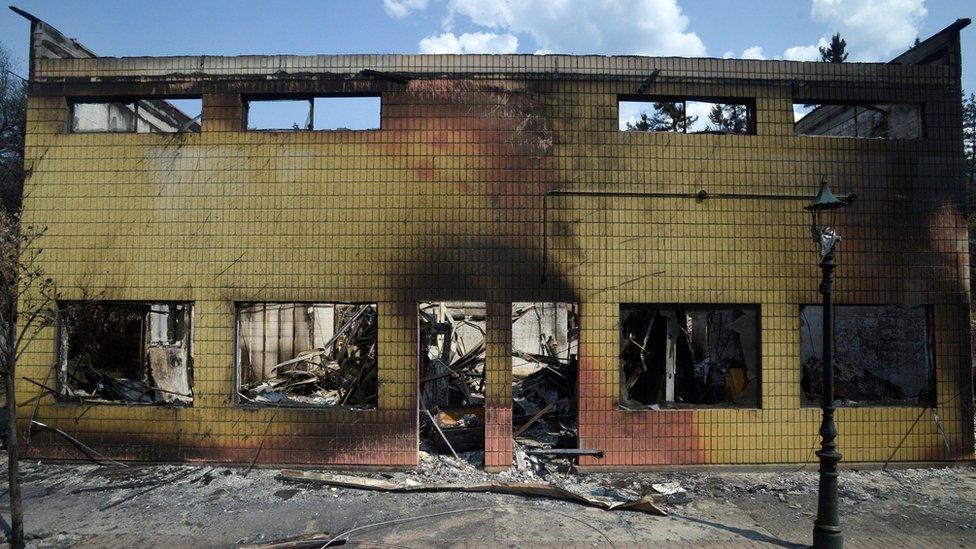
x=216, y=506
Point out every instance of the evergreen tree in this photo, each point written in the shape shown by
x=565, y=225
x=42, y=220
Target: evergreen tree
x=729, y=118
x=643, y=124
x=666, y=117
x=834, y=53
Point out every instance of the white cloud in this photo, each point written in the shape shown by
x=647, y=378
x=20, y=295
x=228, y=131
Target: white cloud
x=754, y=52
x=473, y=42
x=728, y=55
x=402, y=8
x=645, y=27
x=805, y=53
x=875, y=30
x=700, y=110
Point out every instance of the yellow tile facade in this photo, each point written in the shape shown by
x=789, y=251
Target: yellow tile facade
x=445, y=202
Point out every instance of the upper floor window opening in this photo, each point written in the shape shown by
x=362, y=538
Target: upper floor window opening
x=315, y=113
x=687, y=115
x=860, y=120
x=136, y=116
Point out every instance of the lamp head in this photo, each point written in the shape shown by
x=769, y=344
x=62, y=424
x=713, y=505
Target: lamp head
x=826, y=200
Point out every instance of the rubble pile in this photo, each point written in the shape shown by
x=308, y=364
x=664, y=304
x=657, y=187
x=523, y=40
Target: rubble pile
x=342, y=372
x=123, y=353
x=452, y=376
x=89, y=384
x=544, y=379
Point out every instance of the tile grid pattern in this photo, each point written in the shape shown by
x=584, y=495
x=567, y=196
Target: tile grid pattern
x=445, y=202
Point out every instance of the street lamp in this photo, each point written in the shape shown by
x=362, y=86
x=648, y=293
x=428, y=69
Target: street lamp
x=826, y=529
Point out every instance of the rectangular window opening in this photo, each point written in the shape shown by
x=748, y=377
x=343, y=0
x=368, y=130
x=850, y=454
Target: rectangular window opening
x=689, y=356
x=452, y=376
x=125, y=353
x=883, y=355
x=346, y=113
x=284, y=114
x=137, y=116
x=686, y=115
x=545, y=370
x=307, y=354
x=355, y=113
x=866, y=120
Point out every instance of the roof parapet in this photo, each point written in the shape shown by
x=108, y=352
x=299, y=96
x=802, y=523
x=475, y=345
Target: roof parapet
x=47, y=42
x=942, y=48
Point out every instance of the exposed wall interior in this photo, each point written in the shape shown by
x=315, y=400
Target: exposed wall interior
x=880, y=121
x=688, y=355
x=136, y=116
x=452, y=375
x=125, y=353
x=545, y=374
x=883, y=355
x=307, y=354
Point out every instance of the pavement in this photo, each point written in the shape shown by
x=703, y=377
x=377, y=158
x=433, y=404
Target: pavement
x=85, y=505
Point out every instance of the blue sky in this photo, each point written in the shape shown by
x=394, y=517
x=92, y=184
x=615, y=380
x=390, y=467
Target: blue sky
x=875, y=29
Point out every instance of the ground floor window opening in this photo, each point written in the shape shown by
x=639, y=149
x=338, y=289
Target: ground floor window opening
x=452, y=378
x=689, y=356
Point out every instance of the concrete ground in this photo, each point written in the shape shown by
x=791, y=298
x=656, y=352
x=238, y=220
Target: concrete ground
x=217, y=506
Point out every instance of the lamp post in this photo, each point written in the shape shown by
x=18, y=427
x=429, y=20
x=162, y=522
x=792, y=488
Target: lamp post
x=826, y=529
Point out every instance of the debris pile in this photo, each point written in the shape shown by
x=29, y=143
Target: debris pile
x=342, y=372
x=602, y=498
x=678, y=356
x=452, y=375
x=545, y=351
x=124, y=352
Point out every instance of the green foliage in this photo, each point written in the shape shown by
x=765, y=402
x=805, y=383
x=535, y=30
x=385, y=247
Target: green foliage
x=834, y=53
x=729, y=118
x=666, y=117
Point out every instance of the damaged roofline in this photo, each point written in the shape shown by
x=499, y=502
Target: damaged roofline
x=378, y=66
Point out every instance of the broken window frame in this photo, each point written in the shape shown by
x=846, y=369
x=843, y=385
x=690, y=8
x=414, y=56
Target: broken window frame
x=748, y=102
x=193, y=124
x=868, y=105
x=237, y=399
x=186, y=341
x=310, y=119
x=623, y=396
x=815, y=401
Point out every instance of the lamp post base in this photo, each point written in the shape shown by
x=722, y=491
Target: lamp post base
x=827, y=537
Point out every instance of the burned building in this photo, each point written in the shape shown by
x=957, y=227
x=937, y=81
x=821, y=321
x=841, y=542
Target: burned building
x=504, y=251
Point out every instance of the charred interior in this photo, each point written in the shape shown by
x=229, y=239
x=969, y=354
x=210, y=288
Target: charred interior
x=545, y=366
x=689, y=356
x=125, y=352
x=883, y=355
x=452, y=376
x=307, y=354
